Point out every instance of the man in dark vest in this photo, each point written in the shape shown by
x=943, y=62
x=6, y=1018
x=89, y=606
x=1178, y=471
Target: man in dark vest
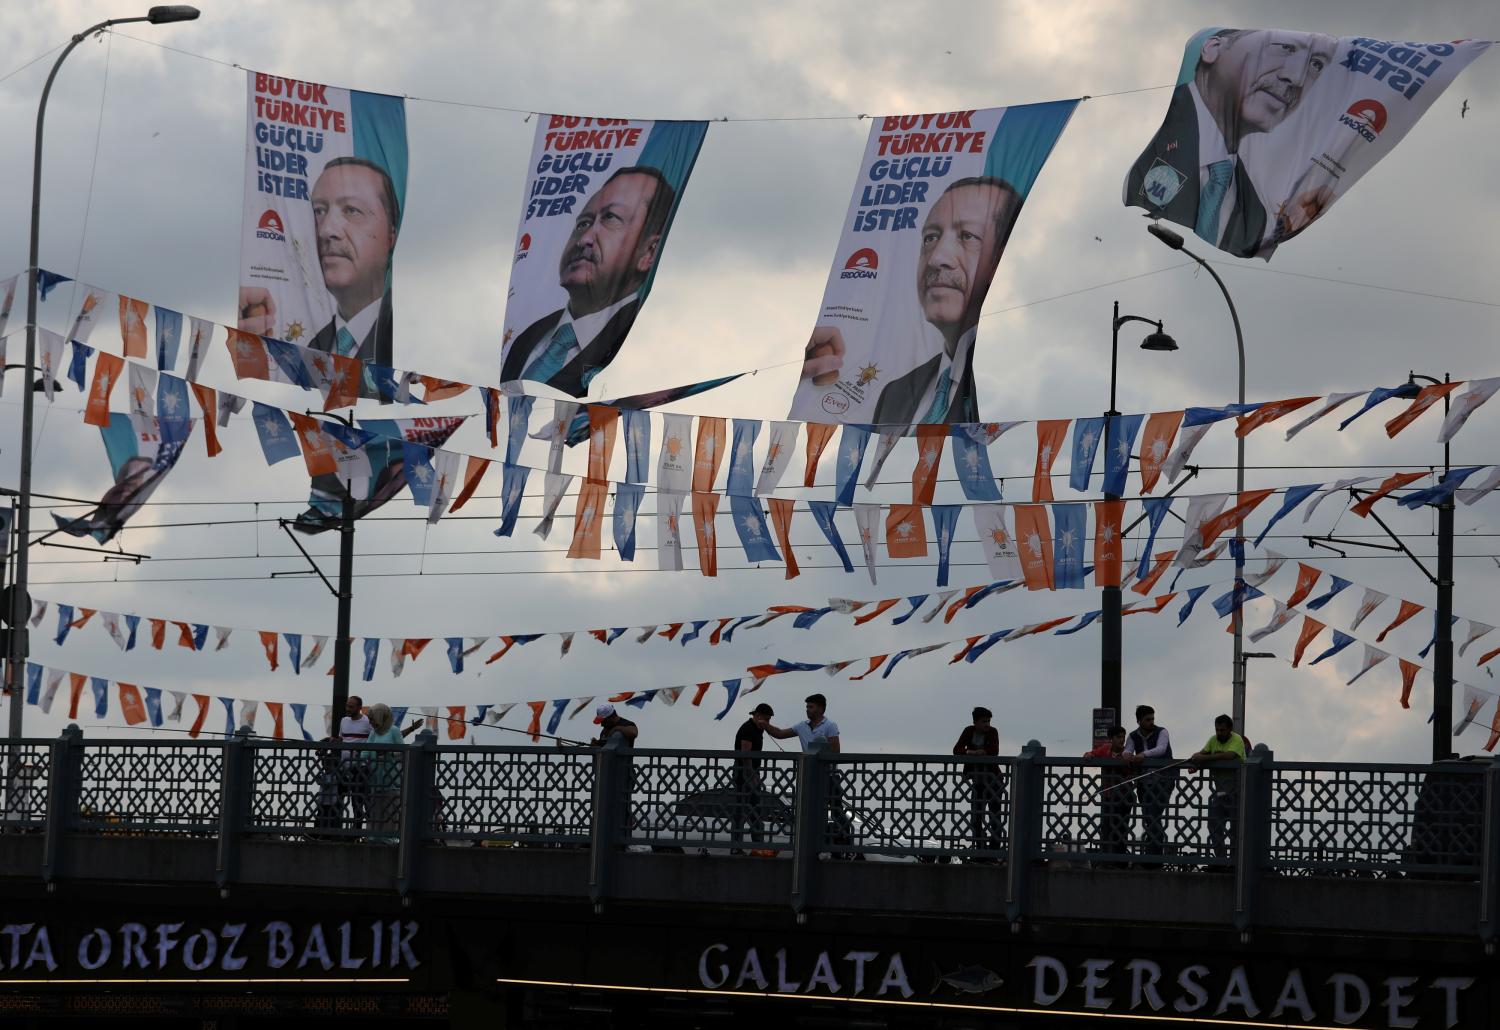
x=1154, y=786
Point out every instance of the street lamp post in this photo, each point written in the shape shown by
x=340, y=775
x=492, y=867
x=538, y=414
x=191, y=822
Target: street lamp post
x=19, y=645
x=1111, y=635
x=1174, y=241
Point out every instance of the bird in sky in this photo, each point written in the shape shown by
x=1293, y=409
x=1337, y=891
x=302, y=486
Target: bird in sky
x=1465, y=109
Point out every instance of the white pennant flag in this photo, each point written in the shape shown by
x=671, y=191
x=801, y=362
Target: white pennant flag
x=111, y=621
x=7, y=301
x=645, y=634
x=445, y=475
x=1274, y=562
x=783, y=441
x=867, y=518
x=883, y=447
x=54, y=680
x=311, y=658
x=556, y=432
x=1476, y=630
x=89, y=312
x=248, y=711
x=1373, y=657
x=1465, y=404
x=398, y=656
x=1322, y=495
x=1279, y=619
x=475, y=643
x=142, y=390
x=38, y=613
x=1474, y=701
x=667, y=695
x=178, y=697
x=1373, y=599
x=674, y=462
x=229, y=404
x=669, y=531
x=1186, y=441
x=221, y=637
x=556, y=485
x=200, y=335
x=992, y=526
x=494, y=715
x=942, y=602
x=1333, y=403
x=566, y=645
x=1199, y=511
x=1471, y=494
x=49, y=360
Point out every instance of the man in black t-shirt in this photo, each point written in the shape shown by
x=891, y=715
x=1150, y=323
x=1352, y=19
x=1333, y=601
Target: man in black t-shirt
x=751, y=736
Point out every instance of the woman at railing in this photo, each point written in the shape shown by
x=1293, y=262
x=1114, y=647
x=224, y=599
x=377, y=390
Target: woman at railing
x=385, y=772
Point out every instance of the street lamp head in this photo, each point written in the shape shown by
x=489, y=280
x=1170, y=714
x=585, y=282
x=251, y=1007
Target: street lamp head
x=1257, y=654
x=1159, y=341
x=170, y=13
x=1166, y=235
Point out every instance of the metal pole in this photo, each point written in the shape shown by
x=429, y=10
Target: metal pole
x=1442, y=664
x=341, y=645
x=1111, y=633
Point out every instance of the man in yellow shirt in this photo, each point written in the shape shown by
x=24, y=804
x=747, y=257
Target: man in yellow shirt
x=1225, y=753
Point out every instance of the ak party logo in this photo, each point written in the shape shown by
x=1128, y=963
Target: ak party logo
x=861, y=265
x=270, y=227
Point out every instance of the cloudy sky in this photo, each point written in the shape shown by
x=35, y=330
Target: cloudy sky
x=144, y=172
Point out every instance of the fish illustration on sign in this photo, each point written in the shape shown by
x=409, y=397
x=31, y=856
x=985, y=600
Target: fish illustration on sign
x=967, y=980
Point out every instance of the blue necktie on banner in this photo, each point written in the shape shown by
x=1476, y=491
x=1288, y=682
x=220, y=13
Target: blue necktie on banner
x=636, y=427
x=944, y=522
x=555, y=356
x=1211, y=200
x=1294, y=496
x=168, y=337
x=1087, y=433
x=741, y=481
x=852, y=443
x=971, y=456
x=822, y=512
x=938, y=412
x=1117, y=459
x=517, y=418
x=1070, y=524
x=277, y=441
x=346, y=344
x=512, y=489
x=627, y=503
x=1156, y=510
x=750, y=523
x=76, y=367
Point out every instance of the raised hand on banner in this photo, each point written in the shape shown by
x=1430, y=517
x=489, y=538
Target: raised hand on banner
x=257, y=311
x=1301, y=211
x=824, y=356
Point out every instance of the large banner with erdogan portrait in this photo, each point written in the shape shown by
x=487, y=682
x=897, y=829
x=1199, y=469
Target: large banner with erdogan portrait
x=325, y=184
x=600, y=197
x=1266, y=129
x=935, y=202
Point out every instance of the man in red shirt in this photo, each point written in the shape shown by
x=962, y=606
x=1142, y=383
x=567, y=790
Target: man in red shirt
x=1115, y=798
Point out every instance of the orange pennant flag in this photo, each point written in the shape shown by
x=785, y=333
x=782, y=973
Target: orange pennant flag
x=1213, y=528
x=924, y=476
x=956, y=606
x=1487, y=657
x=818, y=435
x=881, y=607
x=458, y=722
x=1307, y=576
x=1311, y=627
x=158, y=633
x=1161, y=560
x=278, y=731
x=131, y=705
x=441, y=389
x=1409, y=672
x=604, y=426
x=1407, y=610
x=968, y=646
x=672, y=630
x=507, y=643
x=473, y=472
x=781, y=518
x=699, y=691
x=1426, y=397
x=588, y=519
x=905, y=532
x=412, y=647
x=1156, y=445
x=1142, y=608
x=248, y=354
x=1270, y=412
x=1395, y=482
x=317, y=448
x=76, y=680
x=133, y=326
x=184, y=635
x=876, y=661
x=208, y=401
x=1107, y=550
x=107, y=370
x=492, y=409
x=535, y=726
x=269, y=645
x=708, y=453
x=705, y=507
x=1049, y=444
x=344, y=383
x=1489, y=745
x=197, y=726
x=1034, y=537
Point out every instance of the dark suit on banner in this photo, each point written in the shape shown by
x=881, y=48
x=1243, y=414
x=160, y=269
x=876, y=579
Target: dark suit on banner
x=1176, y=146
x=376, y=346
x=897, y=403
x=594, y=355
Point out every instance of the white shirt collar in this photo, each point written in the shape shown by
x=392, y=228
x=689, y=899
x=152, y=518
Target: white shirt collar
x=359, y=326
x=590, y=326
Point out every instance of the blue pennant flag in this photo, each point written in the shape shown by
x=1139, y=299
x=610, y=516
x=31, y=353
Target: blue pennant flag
x=299, y=713
x=641, y=700
x=100, y=687
x=615, y=633
x=398, y=714
x=1294, y=496
x=455, y=653
x=750, y=524
x=1156, y=510
x=288, y=359
x=132, y=623
x=416, y=466
x=200, y=635
x=555, y=720
x=733, y=687
x=47, y=281
x=517, y=418
x=294, y=651
x=741, y=481
x=729, y=633
x=971, y=457
x=822, y=512
x=1205, y=416
x=228, y=703
x=1380, y=395
x=984, y=645
x=1227, y=603
x=383, y=378
x=916, y=602
x=33, y=683
x=1117, y=459
x=1340, y=584
x=852, y=443
x=1192, y=601
x=153, y=705
x=168, y=337
x=512, y=489
x=478, y=720
x=1087, y=433
x=173, y=416
x=809, y=619
x=1340, y=641
x=627, y=503
x=1444, y=489
x=1084, y=621
x=945, y=523
x=1070, y=526
x=694, y=632
x=64, y=623
x=1453, y=620
x=76, y=366
x=635, y=425
x=988, y=591
x=372, y=652
x=277, y=441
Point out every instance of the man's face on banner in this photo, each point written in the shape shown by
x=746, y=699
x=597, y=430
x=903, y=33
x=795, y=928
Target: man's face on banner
x=606, y=257
x=962, y=241
x=1256, y=78
x=355, y=235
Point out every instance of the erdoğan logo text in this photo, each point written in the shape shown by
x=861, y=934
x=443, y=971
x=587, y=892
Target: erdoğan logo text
x=270, y=227
x=861, y=265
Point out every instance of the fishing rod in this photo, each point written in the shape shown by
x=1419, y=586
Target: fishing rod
x=1136, y=779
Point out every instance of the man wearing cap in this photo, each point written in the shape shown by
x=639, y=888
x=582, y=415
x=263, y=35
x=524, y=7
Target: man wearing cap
x=610, y=725
x=751, y=736
x=986, y=787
